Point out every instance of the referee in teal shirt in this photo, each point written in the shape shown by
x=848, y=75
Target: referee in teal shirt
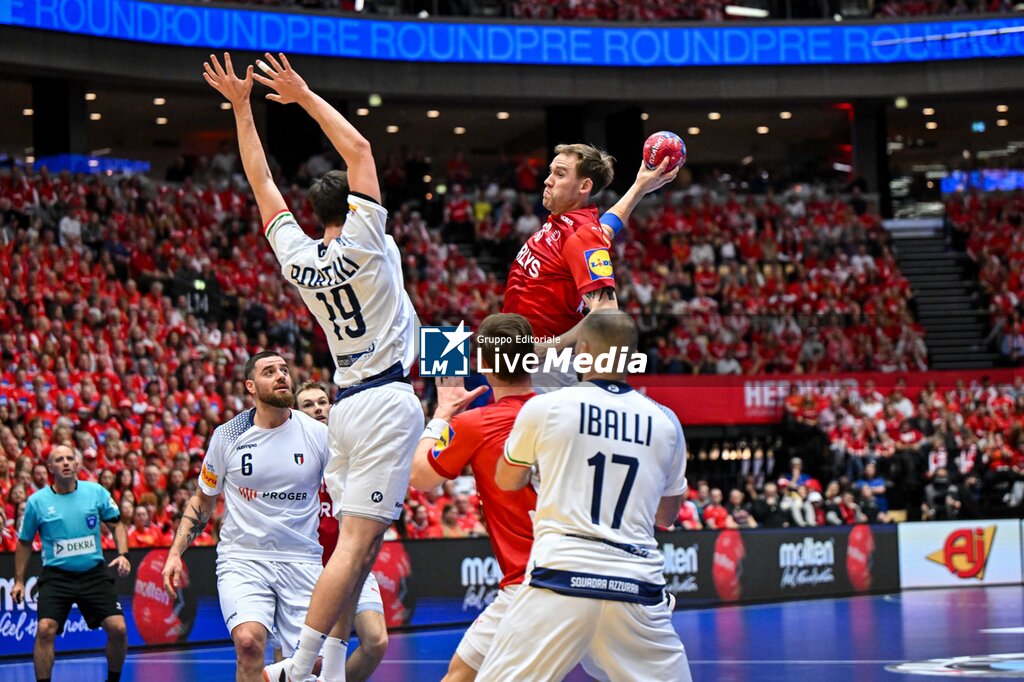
x=67, y=516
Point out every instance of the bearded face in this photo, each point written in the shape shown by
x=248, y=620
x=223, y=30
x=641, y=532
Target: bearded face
x=272, y=382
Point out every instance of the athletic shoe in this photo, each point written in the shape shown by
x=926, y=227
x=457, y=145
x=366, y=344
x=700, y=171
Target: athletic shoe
x=278, y=672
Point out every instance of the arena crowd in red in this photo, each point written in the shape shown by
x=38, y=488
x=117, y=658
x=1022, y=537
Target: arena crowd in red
x=130, y=307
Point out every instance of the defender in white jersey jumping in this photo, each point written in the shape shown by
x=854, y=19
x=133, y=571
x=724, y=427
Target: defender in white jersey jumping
x=268, y=462
x=612, y=464
x=352, y=282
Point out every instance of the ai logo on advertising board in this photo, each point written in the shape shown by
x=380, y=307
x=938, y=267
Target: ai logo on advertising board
x=965, y=552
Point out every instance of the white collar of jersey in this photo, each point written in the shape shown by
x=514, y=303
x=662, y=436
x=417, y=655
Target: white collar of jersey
x=616, y=387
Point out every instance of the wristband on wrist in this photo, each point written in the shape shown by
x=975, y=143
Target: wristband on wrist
x=123, y=554
x=613, y=221
x=435, y=427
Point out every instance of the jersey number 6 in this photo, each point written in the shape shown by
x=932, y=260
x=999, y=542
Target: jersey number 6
x=338, y=312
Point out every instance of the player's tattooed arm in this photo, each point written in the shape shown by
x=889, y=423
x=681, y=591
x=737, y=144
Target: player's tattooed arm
x=598, y=299
x=193, y=521
x=601, y=299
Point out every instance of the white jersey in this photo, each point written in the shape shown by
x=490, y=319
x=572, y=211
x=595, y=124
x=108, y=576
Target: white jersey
x=271, y=484
x=355, y=289
x=606, y=456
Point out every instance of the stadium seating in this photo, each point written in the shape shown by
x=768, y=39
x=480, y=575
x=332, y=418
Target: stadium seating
x=131, y=305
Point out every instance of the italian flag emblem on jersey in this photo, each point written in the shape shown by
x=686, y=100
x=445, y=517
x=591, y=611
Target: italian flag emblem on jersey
x=299, y=458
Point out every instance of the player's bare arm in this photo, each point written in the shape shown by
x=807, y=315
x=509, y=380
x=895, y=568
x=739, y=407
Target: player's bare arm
x=197, y=514
x=121, y=563
x=647, y=181
x=21, y=556
x=668, y=511
x=598, y=299
x=511, y=477
x=288, y=87
x=452, y=398
x=254, y=160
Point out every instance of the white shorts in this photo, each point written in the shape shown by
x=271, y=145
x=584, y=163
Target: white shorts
x=373, y=435
x=369, y=600
x=477, y=641
x=369, y=597
x=273, y=593
x=615, y=640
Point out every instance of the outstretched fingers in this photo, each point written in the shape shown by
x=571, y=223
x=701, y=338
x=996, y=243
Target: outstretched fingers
x=210, y=74
x=273, y=62
x=218, y=70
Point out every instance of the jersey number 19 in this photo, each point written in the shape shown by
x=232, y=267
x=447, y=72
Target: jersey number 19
x=338, y=312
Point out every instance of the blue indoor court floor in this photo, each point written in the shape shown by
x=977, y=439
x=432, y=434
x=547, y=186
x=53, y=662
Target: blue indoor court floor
x=834, y=640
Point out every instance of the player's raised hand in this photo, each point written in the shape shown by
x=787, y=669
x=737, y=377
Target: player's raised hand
x=452, y=397
x=649, y=180
x=280, y=77
x=223, y=79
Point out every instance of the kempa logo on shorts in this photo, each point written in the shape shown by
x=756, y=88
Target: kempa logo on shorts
x=376, y=496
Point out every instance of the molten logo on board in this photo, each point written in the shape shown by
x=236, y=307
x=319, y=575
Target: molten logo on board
x=965, y=552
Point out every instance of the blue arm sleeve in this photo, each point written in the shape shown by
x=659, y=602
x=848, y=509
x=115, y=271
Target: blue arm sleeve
x=613, y=221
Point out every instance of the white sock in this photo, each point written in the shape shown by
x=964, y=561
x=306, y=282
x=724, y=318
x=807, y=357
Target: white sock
x=333, y=667
x=305, y=655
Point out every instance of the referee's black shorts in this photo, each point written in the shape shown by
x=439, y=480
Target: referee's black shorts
x=92, y=590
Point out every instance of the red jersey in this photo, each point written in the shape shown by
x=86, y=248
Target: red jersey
x=477, y=438
x=328, y=531
x=569, y=257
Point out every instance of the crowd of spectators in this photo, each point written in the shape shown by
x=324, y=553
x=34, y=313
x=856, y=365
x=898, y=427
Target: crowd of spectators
x=989, y=228
x=640, y=10
x=878, y=456
x=719, y=283
x=750, y=285
x=130, y=306
x=941, y=454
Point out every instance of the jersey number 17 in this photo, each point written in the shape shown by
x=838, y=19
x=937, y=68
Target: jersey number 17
x=598, y=462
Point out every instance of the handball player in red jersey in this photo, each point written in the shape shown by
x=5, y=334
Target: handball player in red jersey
x=567, y=265
x=370, y=623
x=477, y=438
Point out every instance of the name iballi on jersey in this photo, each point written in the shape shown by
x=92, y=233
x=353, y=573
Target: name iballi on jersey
x=616, y=360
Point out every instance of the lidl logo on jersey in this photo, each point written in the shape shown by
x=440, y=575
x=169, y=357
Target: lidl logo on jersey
x=599, y=263
x=444, y=351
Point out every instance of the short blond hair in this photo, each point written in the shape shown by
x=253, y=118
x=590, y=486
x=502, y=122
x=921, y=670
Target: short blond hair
x=593, y=163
